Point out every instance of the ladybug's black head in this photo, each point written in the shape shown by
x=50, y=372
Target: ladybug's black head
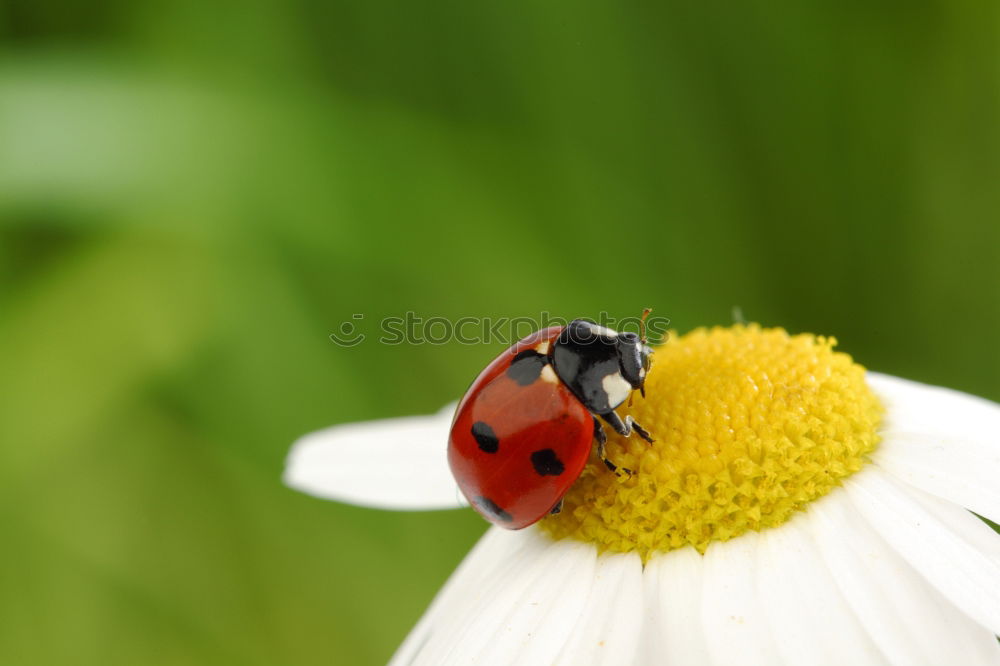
x=633, y=359
x=600, y=366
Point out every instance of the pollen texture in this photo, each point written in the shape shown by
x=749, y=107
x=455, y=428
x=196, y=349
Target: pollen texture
x=750, y=425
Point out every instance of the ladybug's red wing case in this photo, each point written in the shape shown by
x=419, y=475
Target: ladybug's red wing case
x=520, y=438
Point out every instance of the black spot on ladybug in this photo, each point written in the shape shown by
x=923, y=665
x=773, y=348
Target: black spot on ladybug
x=490, y=508
x=527, y=366
x=485, y=437
x=547, y=463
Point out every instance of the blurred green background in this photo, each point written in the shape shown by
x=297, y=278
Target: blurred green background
x=194, y=195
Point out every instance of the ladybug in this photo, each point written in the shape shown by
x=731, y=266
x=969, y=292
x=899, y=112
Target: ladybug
x=523, y=432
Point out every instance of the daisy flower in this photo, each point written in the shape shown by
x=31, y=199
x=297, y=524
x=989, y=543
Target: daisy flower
x=794, y=509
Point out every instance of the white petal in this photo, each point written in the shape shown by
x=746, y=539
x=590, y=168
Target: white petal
x=396, y=463
x=673, y=632
x=608, y=630
x=955, y=551
x=941, y=441
x=810, y=620
x=523, y=610
x=732, y=615
x=917, y=407
x=911, y=622
x=492, y=552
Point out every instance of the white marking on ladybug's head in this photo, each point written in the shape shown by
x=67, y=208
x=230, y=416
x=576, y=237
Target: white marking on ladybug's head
x=549, y=375
x=542, y=347
x=616, y=387
x=603, y=330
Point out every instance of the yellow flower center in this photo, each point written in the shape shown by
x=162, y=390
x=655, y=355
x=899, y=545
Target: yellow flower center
x=750, y=424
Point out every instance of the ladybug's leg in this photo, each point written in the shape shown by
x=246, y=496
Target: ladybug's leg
x=642, y=432
x=557, y=508
x=602, y=440
x=625, y=428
